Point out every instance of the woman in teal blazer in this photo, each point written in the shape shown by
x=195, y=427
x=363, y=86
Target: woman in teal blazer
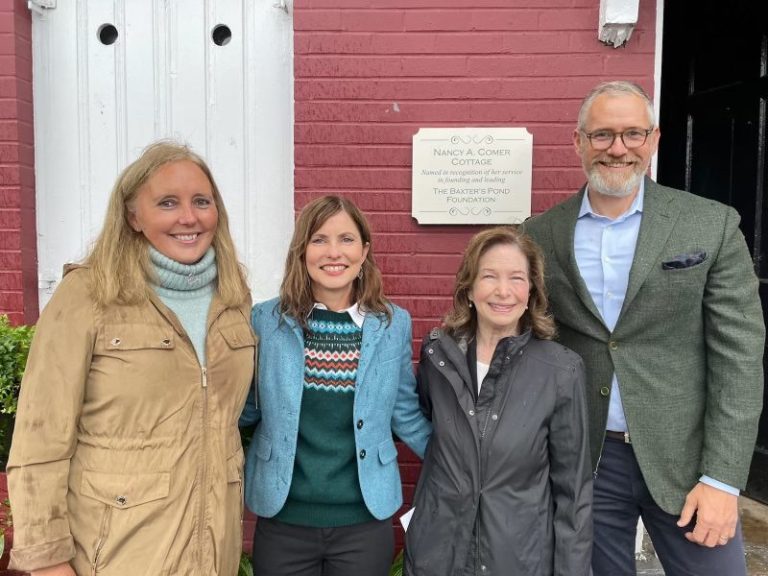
x=335, y=381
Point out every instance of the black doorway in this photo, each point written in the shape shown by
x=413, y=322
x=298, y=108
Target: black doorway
x=714, y=122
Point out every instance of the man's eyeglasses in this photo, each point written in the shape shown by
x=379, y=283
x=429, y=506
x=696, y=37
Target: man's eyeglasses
x=603, y=139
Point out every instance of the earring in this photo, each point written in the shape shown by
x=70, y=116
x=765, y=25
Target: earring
x=471, y=305
x=360, y=274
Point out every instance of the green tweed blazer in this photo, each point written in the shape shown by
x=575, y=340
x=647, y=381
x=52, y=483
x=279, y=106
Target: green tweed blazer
x=687, y=347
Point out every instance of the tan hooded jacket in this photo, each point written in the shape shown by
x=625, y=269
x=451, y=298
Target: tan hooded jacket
x=126, y=457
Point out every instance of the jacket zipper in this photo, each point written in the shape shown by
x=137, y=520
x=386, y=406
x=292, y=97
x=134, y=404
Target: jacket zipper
x=491, y=408
x=204, y=460
x=478, y=519
x=102, y=537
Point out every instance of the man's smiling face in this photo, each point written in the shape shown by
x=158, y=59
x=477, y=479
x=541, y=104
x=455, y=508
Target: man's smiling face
x=616, y=171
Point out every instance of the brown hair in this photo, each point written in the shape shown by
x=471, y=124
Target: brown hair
x=296, y=299
x=461, y=321
x=119, y=262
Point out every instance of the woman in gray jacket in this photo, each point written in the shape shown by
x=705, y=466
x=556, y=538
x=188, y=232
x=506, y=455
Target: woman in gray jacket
x=506, y=485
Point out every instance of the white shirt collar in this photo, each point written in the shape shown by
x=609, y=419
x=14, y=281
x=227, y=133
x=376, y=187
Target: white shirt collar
x=357, y=315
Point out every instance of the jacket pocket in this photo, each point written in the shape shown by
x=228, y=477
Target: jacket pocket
x=120, y=492
x=238, y=335
x=125, y=491
x=387, y=451
x=234, y=471
x=137, y=337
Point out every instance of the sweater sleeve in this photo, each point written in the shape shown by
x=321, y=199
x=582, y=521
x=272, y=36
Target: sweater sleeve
x=45, y=435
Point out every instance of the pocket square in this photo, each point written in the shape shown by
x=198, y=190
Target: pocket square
x=684, y=261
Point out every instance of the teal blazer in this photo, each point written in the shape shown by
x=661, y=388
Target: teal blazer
x=687, y=347
x=385, y=402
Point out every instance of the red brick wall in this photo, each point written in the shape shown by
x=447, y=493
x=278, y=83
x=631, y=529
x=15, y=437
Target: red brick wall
x=370, y=73
x=18, y=249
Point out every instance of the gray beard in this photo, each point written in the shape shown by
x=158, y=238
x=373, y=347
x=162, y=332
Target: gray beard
x=619, y=190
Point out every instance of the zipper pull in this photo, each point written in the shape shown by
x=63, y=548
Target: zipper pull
x=204, y=372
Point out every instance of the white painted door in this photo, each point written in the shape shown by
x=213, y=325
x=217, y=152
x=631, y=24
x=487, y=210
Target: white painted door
x=111, y=76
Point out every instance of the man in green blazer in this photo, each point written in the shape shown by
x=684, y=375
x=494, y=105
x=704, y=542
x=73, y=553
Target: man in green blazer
x=655, y=289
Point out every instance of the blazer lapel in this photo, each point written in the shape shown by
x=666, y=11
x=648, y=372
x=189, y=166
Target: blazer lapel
x=373, y=330
x=294, y=384
x=563, y=229
x=659, y=217
x=295, y=328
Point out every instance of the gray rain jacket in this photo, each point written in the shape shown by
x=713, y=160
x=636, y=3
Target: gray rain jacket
x=506, y=487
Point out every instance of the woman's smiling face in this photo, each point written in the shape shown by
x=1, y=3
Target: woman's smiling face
x=501, y=289
x=334, y=256
x=176, y=212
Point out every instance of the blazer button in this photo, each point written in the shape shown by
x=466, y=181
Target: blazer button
x=441, y=363
x=359, y=424
x=362, y=454
x=471, y=412
x=605, y=391
x=613, y=345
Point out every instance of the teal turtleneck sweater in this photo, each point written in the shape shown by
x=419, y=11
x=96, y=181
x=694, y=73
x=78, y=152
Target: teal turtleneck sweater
x=187, y=289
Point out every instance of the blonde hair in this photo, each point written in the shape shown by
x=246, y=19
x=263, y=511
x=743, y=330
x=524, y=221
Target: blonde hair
x=461, y=321
x=296, y=299
x=119, y=264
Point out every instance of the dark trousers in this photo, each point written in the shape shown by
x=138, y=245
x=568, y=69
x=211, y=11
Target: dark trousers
x=620, y=497
x=281, y=549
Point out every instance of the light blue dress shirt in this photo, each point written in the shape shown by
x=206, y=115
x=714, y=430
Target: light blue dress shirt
x=604, y=249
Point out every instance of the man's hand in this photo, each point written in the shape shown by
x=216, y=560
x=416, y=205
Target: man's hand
x=58, y=570
x=717, y=514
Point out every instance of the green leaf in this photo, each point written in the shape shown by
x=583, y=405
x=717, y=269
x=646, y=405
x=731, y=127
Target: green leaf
x=397, y=565
x=245, y=568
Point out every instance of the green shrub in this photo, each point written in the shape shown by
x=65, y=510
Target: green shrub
x=5, y=523
x=397, y=565
x=14, y=348
x=245, y=568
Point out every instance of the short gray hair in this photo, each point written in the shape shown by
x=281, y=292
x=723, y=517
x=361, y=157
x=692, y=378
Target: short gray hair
x=615, y=88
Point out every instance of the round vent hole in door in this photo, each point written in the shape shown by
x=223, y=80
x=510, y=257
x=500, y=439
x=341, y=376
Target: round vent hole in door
x=221, y=35
x=107, y=34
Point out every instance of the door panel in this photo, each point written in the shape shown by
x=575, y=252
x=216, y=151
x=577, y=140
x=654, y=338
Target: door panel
x=110, y=77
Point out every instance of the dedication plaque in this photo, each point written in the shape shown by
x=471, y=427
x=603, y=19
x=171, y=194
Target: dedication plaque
x=471, y=175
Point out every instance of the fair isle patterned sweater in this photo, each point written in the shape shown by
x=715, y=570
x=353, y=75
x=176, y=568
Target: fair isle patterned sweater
x=325, y=490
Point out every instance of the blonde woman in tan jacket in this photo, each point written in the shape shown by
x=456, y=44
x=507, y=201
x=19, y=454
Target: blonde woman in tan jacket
x=126, y=458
